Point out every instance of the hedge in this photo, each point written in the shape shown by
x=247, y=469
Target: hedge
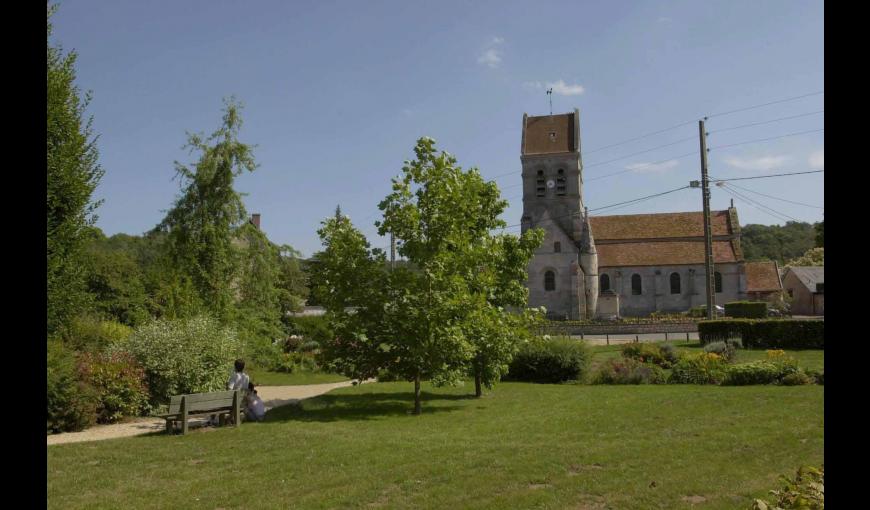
x=766, y=333
x=747, y=309
x=550, y=360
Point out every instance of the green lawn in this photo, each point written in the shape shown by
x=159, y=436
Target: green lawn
x=520, y=446
x=264, y=378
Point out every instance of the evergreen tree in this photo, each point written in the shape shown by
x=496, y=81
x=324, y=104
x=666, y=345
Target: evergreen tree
x=73, y=175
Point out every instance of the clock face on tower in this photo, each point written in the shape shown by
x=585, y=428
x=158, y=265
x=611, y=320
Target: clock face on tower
x=550, y=183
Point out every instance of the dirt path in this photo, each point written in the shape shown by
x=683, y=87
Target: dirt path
x=273, y=396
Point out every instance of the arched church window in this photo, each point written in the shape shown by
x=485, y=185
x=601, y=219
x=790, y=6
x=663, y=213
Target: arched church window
x=549, y=280
x=604, y=282
x=560, y=182
x=717, y=276
x=557, y=247
x=540, y=185
x=636, y=285
x=675, y=283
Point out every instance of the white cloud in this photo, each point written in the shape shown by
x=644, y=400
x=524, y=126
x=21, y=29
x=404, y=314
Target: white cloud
x=652, y=167
x=817, y=160
x=664, y=19
x=761, y=163
x=491, y=56
x=559, y=87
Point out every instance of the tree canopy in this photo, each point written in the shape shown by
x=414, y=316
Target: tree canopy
x=73, y=175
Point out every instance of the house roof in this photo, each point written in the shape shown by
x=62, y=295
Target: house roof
x=762, y=277
x=809, y=275
x=661, y=225
x=537, y=139
x=662, y=253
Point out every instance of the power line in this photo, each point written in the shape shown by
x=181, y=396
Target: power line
x=766, y=176
x=766, y=139
x=759, y=205
x=775, y=198
x=608, y=206
x=640, y=152
x=687, y=123
x=765, y=104
x=768, y=121
x=642, y=166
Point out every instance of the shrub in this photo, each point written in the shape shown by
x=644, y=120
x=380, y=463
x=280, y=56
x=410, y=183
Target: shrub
x=310, y=328
x=650, y=353
x=797, y=379
x=119, y=383
x=309, y=346
x=726, y=349
x=296, y=361
x=756, y=372
x=550, y=360
x=292, y=343
x=89, y=333
x=766, y=333
x=628, y=371
x=747, y=309
x=71, y=403
x=184, y=355
x=806, y=491
x=670, y=353
x=818, y=376
x=700, y=368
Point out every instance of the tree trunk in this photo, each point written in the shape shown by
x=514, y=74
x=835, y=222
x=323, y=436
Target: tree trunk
x=477, y=390
x=417, y=407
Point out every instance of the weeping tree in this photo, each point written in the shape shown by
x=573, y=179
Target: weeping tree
x=73, y=175
x=202, y=222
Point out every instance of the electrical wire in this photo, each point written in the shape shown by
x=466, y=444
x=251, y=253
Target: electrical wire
x=767, y=122
x=765, y=104
x=756, y=203
x=765, y=139
x=765, y=176
x=775, y=198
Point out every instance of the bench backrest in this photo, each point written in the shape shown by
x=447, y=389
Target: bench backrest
x=196, y=402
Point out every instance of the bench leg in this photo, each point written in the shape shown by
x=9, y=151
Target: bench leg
x=169, y=426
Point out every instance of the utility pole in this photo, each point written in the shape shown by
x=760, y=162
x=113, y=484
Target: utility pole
x=708, y=228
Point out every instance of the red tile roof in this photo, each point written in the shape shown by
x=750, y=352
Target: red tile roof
x=655, y=226
x=662, y=253
x=762, y=277
x=537, y=138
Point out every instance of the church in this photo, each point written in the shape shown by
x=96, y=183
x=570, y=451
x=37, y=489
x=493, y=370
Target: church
x=622, y=265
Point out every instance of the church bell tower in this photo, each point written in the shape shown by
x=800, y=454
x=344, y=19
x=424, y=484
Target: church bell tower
x=563, y=274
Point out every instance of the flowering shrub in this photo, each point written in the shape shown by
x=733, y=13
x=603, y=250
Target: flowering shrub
x=119, y=383
x=628, y=371
x=184, y=355
x=797, y=379
x=700, y=368
x=756, y=372
x=663, y=356
x=726, y=349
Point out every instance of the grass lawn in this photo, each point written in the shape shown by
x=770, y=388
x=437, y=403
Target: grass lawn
x=264, y=378
x=520, y=446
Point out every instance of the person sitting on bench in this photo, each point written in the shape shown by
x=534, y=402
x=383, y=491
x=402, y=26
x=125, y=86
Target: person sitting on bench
x=255, y=410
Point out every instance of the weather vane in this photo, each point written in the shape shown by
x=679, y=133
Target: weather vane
x=550, y=95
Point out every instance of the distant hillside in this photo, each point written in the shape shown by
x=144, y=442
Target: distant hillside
x=775, y=242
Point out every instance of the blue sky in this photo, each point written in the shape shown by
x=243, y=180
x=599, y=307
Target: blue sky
x=336, y=94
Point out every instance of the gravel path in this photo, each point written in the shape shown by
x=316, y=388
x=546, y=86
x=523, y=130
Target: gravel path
x=273, y=396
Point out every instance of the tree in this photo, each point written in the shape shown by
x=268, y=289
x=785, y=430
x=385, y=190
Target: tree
x=451, y=310
x=114, y=278
x=202, y=220
x=73, y=175
x=813, y=257
x=775, y=242
x=820, y=234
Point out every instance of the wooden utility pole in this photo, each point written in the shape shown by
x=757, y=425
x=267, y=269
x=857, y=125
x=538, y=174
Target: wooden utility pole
x=708, y=227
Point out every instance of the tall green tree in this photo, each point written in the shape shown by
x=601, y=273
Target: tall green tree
x=452, y=312
x=73, y=175
x=777, y=242
x=820, y=234
x=202, y=220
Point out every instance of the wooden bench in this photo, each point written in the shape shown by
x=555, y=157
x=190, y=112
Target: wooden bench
x=222, y=403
